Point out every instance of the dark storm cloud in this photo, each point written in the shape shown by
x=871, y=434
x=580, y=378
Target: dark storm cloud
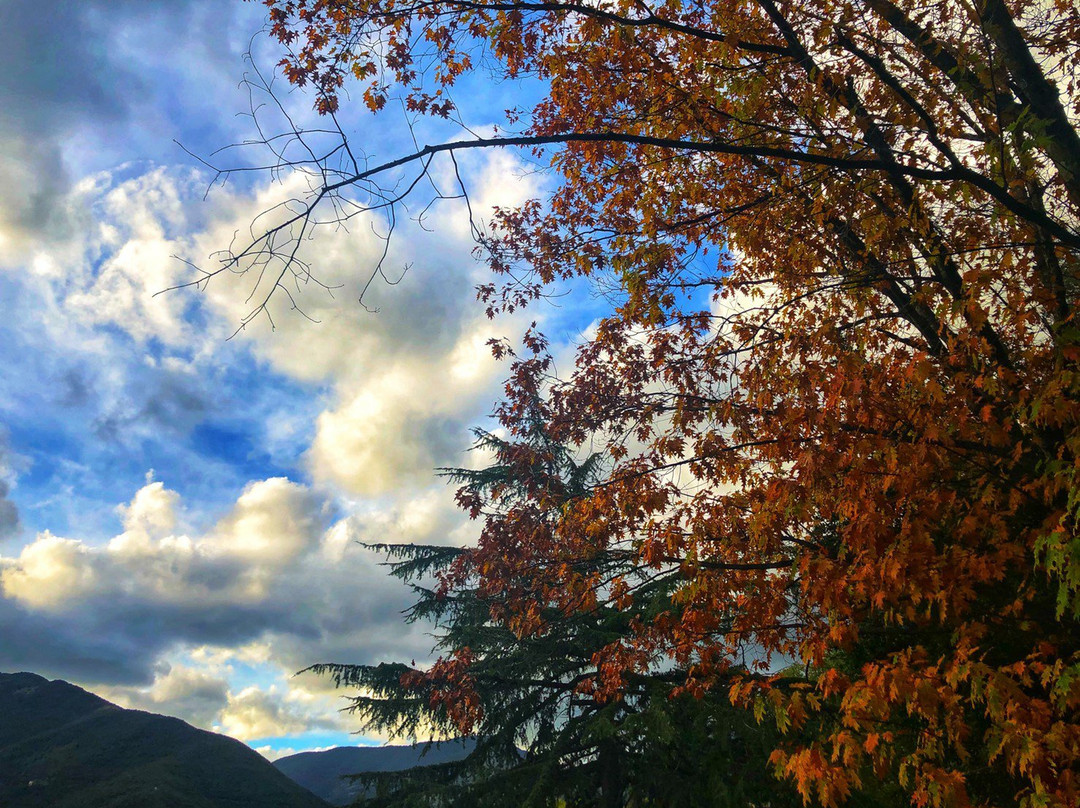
x=115, y=637
x=118, y=640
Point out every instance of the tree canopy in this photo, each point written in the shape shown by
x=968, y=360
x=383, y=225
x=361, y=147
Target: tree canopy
x=837, y=388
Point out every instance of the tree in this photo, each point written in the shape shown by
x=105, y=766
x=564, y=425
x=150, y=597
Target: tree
x=839, y=380
x=539, y=742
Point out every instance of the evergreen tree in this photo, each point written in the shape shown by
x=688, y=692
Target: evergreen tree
x=542, y=738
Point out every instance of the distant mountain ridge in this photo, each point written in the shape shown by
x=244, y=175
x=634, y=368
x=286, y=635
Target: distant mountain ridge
x=323, y=772
x=62, y=747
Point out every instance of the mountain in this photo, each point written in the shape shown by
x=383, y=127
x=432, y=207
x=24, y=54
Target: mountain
x=61, y=747
x=322, y=772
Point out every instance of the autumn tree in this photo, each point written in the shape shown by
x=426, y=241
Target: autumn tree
x=838, y=382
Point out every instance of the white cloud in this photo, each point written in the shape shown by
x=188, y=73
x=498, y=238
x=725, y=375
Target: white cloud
x=49, y=572
x=163, y=611
x=406, y=380
x=405, y=383
x=140, y=216
x=272, y=583
x=256, y=713
x=196, y=688
x=152, y=512
x=272, y=523
x=393, y=430
x=193, y=695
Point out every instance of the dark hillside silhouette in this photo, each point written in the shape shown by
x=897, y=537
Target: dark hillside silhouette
x=62, y=747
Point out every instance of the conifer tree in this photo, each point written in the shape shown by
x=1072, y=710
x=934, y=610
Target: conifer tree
x=540, y=741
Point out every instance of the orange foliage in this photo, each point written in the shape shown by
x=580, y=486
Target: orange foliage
x=839, y=381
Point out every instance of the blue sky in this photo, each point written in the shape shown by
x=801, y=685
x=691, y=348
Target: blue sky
x=179, y=511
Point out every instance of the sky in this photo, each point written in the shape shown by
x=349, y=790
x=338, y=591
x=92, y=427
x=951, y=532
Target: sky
x=181, y=512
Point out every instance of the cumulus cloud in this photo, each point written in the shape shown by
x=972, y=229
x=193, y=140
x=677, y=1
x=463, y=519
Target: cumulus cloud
x=152, y=512
x=49, y=572
x=273, y=522
x=389, y=430
x=197, y=689
x=275, y=575
x=407, y=380
x=267, y=713
x=193, y=695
